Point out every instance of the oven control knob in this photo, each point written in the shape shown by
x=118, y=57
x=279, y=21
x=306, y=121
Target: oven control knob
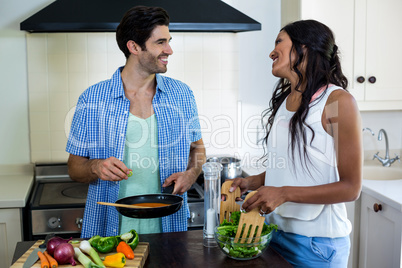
x=192, y=216
x=78, y=221
x=54, y=222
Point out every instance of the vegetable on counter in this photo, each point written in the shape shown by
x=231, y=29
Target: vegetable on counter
x=84, y=260
x=109, y=243
x=117, y=260
x=44, y=263
x=86, y=247
x=52, y=262
x=104, y=244
x=131, y=238
x=54, y=242
x=124, y=248
x=64, y=254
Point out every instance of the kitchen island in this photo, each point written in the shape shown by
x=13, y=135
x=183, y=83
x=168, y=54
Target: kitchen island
x=185, y=249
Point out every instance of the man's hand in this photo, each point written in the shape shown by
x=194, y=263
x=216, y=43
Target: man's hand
x=111, y=169
x=182, y=181
x=84, y=170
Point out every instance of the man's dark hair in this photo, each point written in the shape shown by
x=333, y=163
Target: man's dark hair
x=138, y=24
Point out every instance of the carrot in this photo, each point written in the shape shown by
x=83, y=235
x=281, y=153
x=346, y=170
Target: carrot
x=124, y=248
x=52, y=262
x=43, y=260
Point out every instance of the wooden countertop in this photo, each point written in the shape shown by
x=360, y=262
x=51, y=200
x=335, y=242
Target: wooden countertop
x=185, y=249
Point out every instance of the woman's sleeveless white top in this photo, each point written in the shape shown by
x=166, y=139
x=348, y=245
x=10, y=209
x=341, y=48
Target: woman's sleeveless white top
x=321, y=168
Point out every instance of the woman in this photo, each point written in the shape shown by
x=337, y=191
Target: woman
x=314, y=134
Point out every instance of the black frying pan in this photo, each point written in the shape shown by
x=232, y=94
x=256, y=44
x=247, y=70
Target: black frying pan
x=174, y=203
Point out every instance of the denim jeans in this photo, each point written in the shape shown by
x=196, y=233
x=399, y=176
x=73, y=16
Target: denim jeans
x=320, y=252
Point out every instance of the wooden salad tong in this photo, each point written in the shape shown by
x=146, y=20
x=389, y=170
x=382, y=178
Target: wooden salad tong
x=229, y=205
x=249, y=221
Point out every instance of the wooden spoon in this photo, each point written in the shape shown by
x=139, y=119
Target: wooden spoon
x=251, y=219
x=229, y=205
x=121, y=205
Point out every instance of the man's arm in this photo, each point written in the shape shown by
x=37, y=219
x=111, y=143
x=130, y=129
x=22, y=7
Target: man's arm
x=184, y=180
x=86, y=170
x=196, y=159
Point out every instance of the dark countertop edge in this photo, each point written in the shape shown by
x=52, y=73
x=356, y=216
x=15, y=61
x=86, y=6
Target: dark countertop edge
x=279, y=261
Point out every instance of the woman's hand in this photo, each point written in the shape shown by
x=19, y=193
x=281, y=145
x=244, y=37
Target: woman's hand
x=242, y=183
x=248, y=183
x=267, y=199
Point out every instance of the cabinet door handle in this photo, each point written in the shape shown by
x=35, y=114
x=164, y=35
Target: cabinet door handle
x=377, y=207
x=372, y=79
x=360, y=79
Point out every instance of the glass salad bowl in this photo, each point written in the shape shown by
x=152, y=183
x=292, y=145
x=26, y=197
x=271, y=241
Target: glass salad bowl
x=242, y=251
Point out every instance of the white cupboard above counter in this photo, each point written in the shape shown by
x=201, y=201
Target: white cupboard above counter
x=368, y=40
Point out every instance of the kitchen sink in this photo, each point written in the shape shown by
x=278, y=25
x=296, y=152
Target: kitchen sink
x=377, y=172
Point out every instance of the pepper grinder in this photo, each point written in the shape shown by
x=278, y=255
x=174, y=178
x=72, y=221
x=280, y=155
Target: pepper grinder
x=212, y=196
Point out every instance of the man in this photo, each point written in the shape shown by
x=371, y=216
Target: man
x=138, y=121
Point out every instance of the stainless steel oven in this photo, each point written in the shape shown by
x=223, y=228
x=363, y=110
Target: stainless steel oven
x=56, y=204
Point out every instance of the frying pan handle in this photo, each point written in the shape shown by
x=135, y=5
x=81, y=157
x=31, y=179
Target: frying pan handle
x=169, y=189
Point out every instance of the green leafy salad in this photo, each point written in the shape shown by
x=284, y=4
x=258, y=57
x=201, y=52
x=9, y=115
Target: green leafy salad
x=226, y=233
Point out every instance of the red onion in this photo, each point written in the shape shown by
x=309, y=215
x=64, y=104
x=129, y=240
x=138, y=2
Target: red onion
x=54, y=242
x=64, y=254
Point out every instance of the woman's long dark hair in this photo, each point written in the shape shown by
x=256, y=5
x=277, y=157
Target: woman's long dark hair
x=323, y=68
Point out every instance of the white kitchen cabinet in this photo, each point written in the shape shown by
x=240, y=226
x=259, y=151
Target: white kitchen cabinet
x=380, y=233
x=367, y=34
x=10, y=234
x=353, y=211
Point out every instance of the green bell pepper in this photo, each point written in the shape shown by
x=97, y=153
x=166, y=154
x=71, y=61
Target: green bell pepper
x=104, y=244
x=131, y=238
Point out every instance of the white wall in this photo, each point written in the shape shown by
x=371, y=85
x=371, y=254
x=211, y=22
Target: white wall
x=391, y=121
x=14, y=141
x=62, y=65
x=256, y=81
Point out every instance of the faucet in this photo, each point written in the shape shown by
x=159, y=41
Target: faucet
x=386, y=162
x=369, y=129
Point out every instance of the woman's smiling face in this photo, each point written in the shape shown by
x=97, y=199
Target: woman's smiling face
x=282, y=65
